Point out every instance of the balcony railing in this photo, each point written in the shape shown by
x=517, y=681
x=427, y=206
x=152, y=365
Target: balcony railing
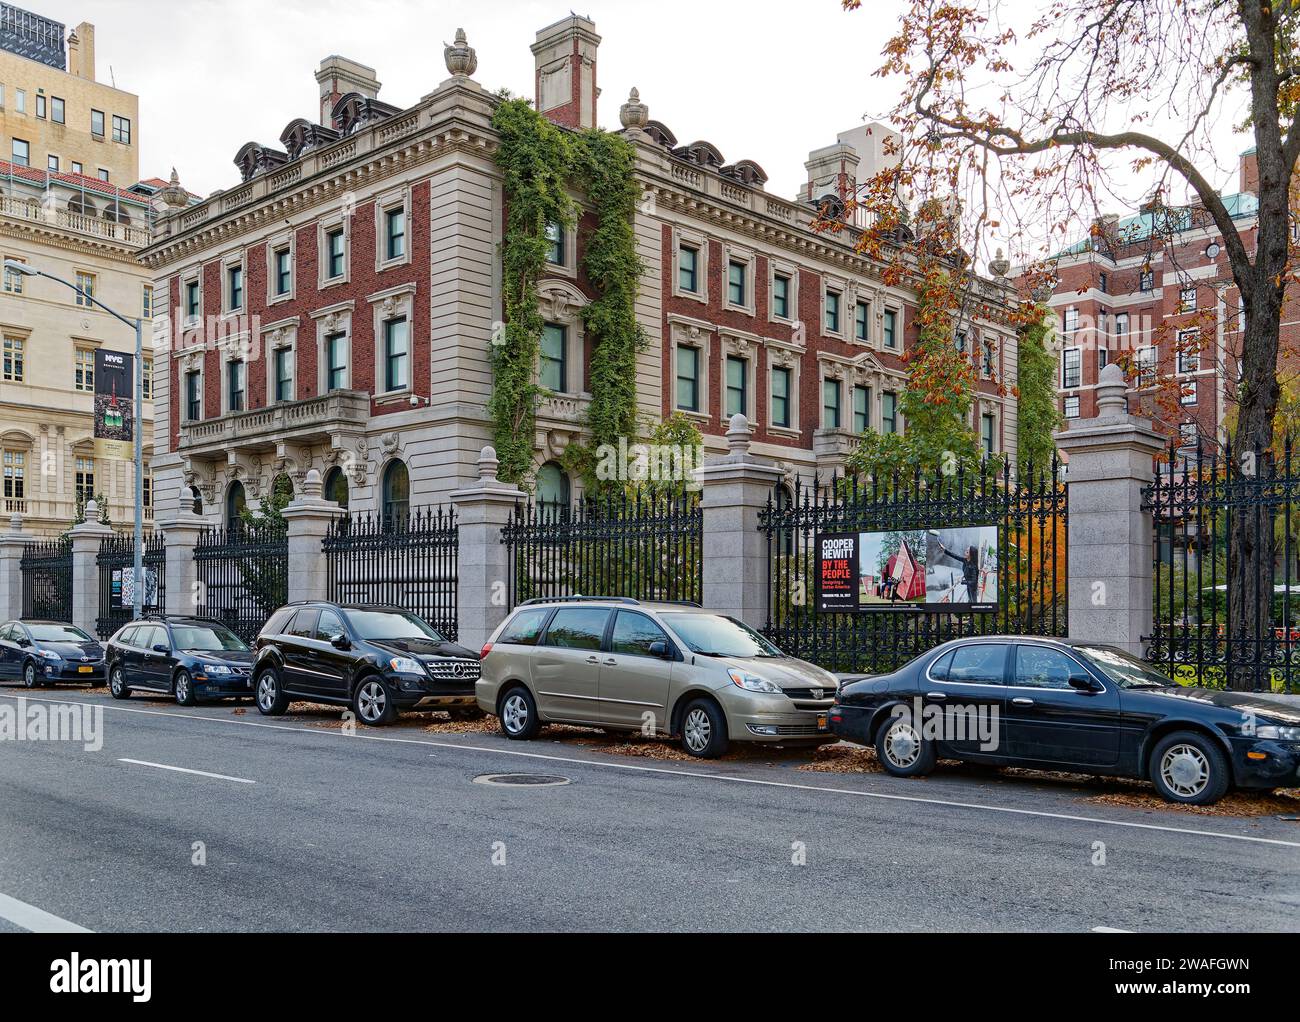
x=314, y=418
x=33, y=211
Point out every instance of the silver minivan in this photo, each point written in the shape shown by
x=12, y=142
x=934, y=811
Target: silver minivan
x=657, y=668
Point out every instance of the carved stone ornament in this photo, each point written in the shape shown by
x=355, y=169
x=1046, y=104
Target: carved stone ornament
x=460, y=57
x=634, y=113
x=390, y=444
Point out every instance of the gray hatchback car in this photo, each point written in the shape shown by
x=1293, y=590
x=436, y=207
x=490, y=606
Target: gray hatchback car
x=658, y=668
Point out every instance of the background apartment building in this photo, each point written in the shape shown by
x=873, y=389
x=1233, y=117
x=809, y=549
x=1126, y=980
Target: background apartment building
x=334, y=310
x=64, y=209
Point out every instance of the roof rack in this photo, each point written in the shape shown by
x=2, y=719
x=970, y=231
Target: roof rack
x=581, y=599
x=681, y=603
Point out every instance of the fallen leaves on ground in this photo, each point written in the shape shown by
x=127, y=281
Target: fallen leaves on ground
x=844, y=759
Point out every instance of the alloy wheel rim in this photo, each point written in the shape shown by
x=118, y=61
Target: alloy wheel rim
x=265, y=692
x=371, y=701
x=116, y=680
x=515, y=714
x=29, y=676
x=698, y=730
x=1185, y=770
x=902, y=745
x=182, y=687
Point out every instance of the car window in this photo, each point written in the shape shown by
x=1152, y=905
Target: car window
x=381, y=625
x=278, y=621
x=329, y=625
x=1041, y=667
x=7, y=633
x=304, y=624
x=1125, y=670
x=939, y=669
x=126, y=636
x=153, y=636
x=206, y=637
x=58, y=633
x=980, y=664
x=525, y=627
x=716, y=635
x=634, y=633
x=577, y=628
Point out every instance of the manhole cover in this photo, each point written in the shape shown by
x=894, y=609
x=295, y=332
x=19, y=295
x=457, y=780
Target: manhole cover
x=523, y=780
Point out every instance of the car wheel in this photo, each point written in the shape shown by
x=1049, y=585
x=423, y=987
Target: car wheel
x=704, y=729
x=117, y=686
x=30, y=678
x=271, y=700
x=373, y=702
x=901, y=749
x=518, y=714
x=184, y=688
x=1190, y=768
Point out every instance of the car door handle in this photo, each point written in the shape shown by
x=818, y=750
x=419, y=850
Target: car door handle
x=611, y=662
x=593, y=659
x=1022, y=701
x=936, y=695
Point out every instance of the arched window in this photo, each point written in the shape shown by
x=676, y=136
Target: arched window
x=397, y=493
x=553, y=490
x=336, y=487
x=197, y=498
x=282, y=489
x=235, y=503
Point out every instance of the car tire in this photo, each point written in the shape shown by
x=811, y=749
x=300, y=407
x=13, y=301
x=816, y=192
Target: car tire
x=373, y=701
x=269, y=696
x=117, y=686
x=901, y=749
x=31, y=678
x=518, y=714
x=704, y=729
x=183, y=688
x=1189, y=768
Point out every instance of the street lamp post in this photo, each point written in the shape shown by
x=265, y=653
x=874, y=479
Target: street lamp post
x=137, y=604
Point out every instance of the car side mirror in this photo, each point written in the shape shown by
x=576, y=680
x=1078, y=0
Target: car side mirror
x=161, y=647
x=24, y=642
x=1083, y=683
x=340, y=641
x=659, y=649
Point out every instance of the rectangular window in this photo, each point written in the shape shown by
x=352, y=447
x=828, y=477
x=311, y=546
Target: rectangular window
x=146, y=378
x=1187, y=393
x=1071, y=368
x=146, y=301
x=688, y=378
x=1121, y=326
x=781, y=377
x=960, y=342
x=1072, y=406
x=234, y=288
x=15, y=358
x=1071, y=323
x=1103, y=359
x=83, y=370
x=56, y=110
x=861, y=409
x=861, y=321
x=989, y=359
x=832, y=312
x=40, y=106
x=21, y=152
x=1187, y=434
x=284, y=374
x=395, y=233
x=85, y=478
x=15, y=468
x=122, y=129
x=554, y=243
x=1103, y=283
x=193, y=396
x=555, y=361
x=395, y=354
x=688, y=269
x=20, y=100
x=830, y=404
x=1145, y=361
x=1146, y=280
x=52, y=163
x=1189, y=351
x=97, y=123
x=334, y=254
x=283, y=271
x=781, y=296
x=737, y=386
x=336, y=361
x=987, y=437
x=889, y=412
x=736, y=283
x=103, y=173
x=85, y=289
x=891, y=323
x=235, y=385
x=76, y=167
x=192, y=299
x=146, y=488
x=13, y=280
x=1187, y=299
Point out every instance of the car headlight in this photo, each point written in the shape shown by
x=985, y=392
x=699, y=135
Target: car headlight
x=216, y=669
x=1278, y=731
x=405, y=665
x=752, y=682
x=49, y=654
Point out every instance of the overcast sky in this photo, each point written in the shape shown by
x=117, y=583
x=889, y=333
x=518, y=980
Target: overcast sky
x=766, y=80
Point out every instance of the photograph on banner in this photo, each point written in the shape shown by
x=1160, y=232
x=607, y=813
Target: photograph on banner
x=114, y=404
x=122, y=589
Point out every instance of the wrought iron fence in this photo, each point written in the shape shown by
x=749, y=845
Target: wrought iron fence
x=1199, y=501
x=47, y=580
x=116, y=562
x=243, y=575
x=645, y=544
x=409, y=563
x=1031, y=514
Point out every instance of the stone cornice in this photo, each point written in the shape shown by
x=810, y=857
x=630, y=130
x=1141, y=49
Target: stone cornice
x=71, y=241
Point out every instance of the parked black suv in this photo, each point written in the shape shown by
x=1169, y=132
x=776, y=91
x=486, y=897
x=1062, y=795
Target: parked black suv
x=376, y=659
x=44, y=652
x=191, y=658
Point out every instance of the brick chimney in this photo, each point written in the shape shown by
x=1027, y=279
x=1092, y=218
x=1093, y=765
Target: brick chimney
x=81, y=51
x=337, y=76
x=1248, y=172
x=565, y=58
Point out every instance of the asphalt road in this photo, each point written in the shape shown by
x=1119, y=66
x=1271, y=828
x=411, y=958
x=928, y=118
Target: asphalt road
x=306, y=828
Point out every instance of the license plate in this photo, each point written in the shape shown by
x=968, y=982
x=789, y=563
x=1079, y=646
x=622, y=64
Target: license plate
x=84, y=670
x=821, y=722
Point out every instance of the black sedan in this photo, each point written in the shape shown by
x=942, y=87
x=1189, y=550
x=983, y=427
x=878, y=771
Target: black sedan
x=1056, y=705
x=189, y=658
x=46, y=652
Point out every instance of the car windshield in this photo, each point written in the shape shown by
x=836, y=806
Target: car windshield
x=58, y=633
x=1124, y=669
x=391, y=624
x=206, y=637
x=715, y=635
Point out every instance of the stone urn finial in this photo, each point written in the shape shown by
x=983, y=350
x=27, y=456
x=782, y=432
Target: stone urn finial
x=1112, y=390
x=738, y=434
x=311, y=485
x=488, y=465
x=461, y=59
x=634, y=114
x=999, y=265
x=172, y=195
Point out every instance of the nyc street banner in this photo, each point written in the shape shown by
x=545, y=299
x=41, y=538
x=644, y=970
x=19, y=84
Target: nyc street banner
x=114, y=404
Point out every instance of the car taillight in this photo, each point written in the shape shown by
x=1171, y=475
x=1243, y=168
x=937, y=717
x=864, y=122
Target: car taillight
x=487, y=648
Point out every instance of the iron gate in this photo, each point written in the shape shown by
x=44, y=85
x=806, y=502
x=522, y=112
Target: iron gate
x=243, y=575
x=47, y=580
x=116, y=563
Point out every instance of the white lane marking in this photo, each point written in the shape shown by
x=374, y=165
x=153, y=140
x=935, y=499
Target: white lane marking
x=1108, y=929
x=1041, y=813
x=185, y=770
x=33, y=919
